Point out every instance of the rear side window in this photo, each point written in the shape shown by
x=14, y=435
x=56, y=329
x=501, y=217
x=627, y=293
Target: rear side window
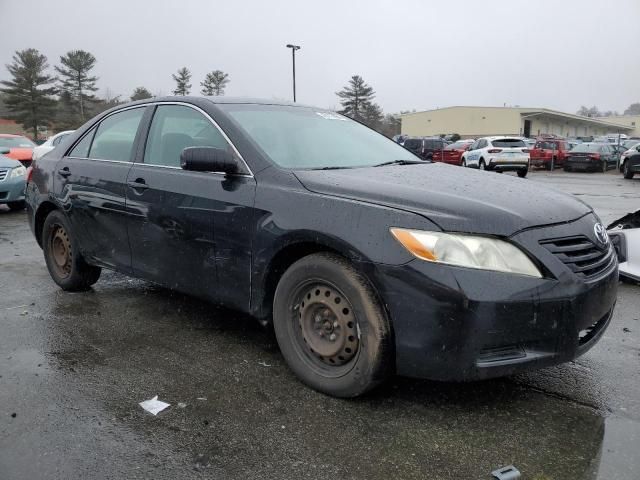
x=176, y=127
x=509, y=143
x=115, y=136
x=412, y=144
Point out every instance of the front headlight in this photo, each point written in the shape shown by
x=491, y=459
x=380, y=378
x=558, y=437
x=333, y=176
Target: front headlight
x=466, y=251
x=18, y=172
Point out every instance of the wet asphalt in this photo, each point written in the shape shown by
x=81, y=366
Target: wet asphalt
x=73, y=368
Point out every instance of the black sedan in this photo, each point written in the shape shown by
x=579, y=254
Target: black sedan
x=631, y=164
x=598, y=157
x=366, y=260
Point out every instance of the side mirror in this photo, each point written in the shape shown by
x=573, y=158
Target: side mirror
x=208, y=159
x=4, y=150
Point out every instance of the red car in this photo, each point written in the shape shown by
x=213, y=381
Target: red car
x=547, y=148
x=452, y=154
x=20, y=148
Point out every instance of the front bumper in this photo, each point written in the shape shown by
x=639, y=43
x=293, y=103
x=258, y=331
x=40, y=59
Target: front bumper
x=457, y=324
x=12, y=190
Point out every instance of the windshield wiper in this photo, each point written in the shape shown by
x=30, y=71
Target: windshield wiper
x=331, y=168
x=400, y=162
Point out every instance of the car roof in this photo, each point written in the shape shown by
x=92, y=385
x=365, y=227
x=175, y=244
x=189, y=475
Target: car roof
x=500, y=137
x=223, y=100
x=11, y=135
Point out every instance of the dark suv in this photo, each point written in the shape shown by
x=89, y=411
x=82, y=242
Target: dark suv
x=425, y=147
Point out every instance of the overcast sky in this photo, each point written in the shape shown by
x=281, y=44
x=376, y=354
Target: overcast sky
x=415, y=54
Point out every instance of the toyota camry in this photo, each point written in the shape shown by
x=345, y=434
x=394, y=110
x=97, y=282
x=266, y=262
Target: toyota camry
x=366, y=260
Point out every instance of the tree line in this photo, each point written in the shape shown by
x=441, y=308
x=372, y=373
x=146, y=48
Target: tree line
x=633, y=109
x=35, y=97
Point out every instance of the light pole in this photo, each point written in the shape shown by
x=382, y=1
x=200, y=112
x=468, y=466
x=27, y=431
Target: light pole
x=293, y=56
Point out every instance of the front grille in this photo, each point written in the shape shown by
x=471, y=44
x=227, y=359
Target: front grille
x=580, y=255
x=3, y=173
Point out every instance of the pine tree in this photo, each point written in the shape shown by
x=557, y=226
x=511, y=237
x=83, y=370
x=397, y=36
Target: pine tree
x=27, y=94
x=356, y=98
x=76, y=79
x=214, y=83
x=372, y=116
x=182, y=77
x=140, y=93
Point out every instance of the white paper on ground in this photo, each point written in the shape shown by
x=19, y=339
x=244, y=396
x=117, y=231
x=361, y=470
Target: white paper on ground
x=154, y=406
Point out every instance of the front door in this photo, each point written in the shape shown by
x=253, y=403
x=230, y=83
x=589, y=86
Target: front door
x=173, y=213
x=90, y=185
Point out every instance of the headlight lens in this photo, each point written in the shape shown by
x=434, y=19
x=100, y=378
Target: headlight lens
x=18, y=172
x=466, y=251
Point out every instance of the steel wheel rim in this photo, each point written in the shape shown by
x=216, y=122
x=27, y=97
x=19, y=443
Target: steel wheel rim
x=325, y=327
x=60, y=247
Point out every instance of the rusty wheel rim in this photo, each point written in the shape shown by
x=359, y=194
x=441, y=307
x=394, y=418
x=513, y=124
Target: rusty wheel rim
x=327, y=325
x=60, y=248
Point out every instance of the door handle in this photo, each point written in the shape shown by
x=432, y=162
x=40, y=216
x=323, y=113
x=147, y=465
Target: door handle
x=64, y=172
x=138, y=184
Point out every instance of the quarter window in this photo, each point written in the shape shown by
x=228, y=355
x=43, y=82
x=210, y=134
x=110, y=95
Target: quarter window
x=81, y=150
x=176, y=127
x=115, y=136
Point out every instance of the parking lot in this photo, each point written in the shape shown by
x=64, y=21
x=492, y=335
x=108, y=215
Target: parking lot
x=73, y=368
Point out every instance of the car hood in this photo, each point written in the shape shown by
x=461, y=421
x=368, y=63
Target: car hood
x=6, y=162
x=456, y=199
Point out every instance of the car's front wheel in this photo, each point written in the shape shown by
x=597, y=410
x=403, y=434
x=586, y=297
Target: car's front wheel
x=62, y=255
x=482, y=165
x=330, y=326
x=628, y=174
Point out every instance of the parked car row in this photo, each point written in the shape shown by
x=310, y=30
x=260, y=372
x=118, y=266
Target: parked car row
x=504, y=153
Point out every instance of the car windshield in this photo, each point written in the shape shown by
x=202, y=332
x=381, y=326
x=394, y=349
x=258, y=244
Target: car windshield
x=508, y=143
x=308, y=138
x=587, y=148
x=16, y=142
x=457, y=146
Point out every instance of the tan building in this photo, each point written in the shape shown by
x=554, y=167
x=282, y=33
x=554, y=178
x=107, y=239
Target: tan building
x=629, y=120
x=473, y=122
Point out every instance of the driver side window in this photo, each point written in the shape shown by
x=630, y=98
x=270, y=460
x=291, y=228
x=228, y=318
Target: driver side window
x=176, y=127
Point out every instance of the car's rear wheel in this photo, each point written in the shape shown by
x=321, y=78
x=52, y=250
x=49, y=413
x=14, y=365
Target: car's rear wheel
x=330, y=326
x=482, y=165
x=523, y=172
x=15, y=206
x=62, y=255
x=628, y=174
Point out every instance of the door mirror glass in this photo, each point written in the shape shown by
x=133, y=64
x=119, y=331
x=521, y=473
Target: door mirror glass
x=208, y=159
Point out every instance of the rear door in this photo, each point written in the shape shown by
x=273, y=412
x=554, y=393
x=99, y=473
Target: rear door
x=90, y=184
x=189, y=230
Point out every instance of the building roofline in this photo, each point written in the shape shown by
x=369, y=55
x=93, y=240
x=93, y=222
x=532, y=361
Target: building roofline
x=534, y=110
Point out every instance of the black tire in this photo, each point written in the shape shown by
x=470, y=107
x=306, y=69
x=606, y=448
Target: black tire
x=482, y=165
x=523, y=172
x=464, y=163
x=567, y=168
x=62, y=255
x=331, y=328
x=628, y=174
x=16, y=206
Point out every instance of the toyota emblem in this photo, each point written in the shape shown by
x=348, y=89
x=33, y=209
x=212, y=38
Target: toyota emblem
x=601, y=233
